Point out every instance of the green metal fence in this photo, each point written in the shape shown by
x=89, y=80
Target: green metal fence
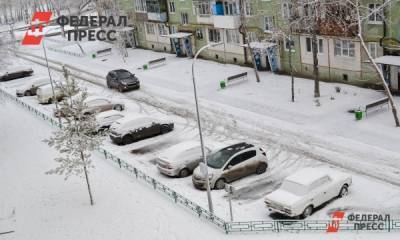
x=226, y=226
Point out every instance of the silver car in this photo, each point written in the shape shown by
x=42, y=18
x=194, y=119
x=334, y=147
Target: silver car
x=181, y=159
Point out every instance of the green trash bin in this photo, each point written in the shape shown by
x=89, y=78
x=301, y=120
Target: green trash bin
x=222, y=84
x=145, y=67
x=359, y=114
x=93, y=55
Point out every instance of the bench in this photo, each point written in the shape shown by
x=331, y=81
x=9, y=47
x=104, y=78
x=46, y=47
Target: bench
x=375, y=104
x=103, y=52
x=155, y=62
x=234, y=79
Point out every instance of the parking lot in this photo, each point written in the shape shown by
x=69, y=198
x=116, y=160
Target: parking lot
x=249, y=192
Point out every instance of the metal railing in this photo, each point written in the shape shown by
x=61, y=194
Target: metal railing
x=226, y=226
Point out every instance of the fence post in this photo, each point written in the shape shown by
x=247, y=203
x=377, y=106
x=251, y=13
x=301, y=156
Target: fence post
x=154, y=183
x=175, y=196
x=119, y=162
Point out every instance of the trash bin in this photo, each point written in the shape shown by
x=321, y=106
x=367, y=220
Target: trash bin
x=93, y=55
x=145, y=67
x=358, y=114
x=222, y=84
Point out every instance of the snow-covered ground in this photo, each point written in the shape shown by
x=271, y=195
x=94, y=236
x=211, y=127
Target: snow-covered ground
x=295, y=135
x=47, y=207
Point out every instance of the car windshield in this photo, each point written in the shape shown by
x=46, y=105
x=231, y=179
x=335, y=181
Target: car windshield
x=218, y=159
x=123, y=74
x=295, y=188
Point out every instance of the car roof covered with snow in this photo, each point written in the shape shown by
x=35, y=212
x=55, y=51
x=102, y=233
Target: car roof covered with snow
x=15, y=69
x=109, y=113
x=308, y=175
x=175, y=151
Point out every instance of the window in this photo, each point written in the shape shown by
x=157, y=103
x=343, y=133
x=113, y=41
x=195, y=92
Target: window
x=242, y=157
x=373, y=49
x=268, y=23
x=199, y=33
x=248, y=8
x=252, y=37
x=320, y=48
x=214, y=35
x=171, y=7
x=375, y=14
x=286, y=9
x=232, y=36
x=230, y=8
x=162, y=30
x=344, y=48
x=184, y=18
x=140, y=6
x=150, y=29
x=174, y=29
x=203, y=8
x=287, y=46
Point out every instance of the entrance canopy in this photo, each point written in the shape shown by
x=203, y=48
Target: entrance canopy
x=389, y=60
x=260, y=45
x=178, y=35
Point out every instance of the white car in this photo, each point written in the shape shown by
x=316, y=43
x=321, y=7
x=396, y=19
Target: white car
x=97, y=104
x=181, y=159
x=45, y=94
x=135, y=128
x=305, y=190
x=29, y=89
x=229, y=164
x=105, y=119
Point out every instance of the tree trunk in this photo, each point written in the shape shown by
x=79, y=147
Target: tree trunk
x=87, y=180
x=315, y=64
x=291, y=67
x=379, y=70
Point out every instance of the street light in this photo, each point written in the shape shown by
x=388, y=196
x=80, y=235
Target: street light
x=48, y=70
x=210, y=204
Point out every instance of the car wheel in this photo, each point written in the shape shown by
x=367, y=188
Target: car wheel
x=165, y=128
x=262, y=168
x=343, y=191
x=127, y=139
x=307, y=212
x=184, y=173
x=50, y=101
x=118, y=108
x=220, y=183
x=28, y=93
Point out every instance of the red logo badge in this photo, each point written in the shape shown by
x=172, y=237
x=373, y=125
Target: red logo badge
x=34, y=36
x=334, y=225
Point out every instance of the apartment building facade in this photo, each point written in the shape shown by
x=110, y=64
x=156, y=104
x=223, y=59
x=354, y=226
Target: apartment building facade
x=184, y=26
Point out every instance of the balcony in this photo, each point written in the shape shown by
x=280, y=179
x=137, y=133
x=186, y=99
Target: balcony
x=226, y=14
x=158, y=17
x=227, y=21
x=157, y=10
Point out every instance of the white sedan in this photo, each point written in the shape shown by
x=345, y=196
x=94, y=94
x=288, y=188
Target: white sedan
x=305, y=190
x=105, y=119
x=181, y=159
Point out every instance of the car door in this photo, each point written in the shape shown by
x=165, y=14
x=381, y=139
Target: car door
x=233, y=169
x=319, y=191
x=153, y=130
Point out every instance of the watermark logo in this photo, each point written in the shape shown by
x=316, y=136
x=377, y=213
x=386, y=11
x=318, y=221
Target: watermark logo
x=333, y=226
x=34, y=35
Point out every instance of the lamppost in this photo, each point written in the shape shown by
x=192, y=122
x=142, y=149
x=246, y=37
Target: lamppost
x=210, y=204
x=48, y=70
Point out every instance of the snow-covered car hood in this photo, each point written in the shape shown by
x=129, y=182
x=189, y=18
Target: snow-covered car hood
x=283, y=198
x=198, y=174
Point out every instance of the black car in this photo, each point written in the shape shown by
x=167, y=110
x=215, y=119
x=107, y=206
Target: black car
x=16, y=73
x=123, y=80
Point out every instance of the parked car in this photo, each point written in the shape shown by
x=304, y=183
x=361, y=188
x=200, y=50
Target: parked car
x=231, y=163
x=181, y=159
x=105, y=119
x=15, y=73
x=122, y=80
x=99, y=104
x=305, y=190
x=135, y=128
x=29, y=89
x=45, y=94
